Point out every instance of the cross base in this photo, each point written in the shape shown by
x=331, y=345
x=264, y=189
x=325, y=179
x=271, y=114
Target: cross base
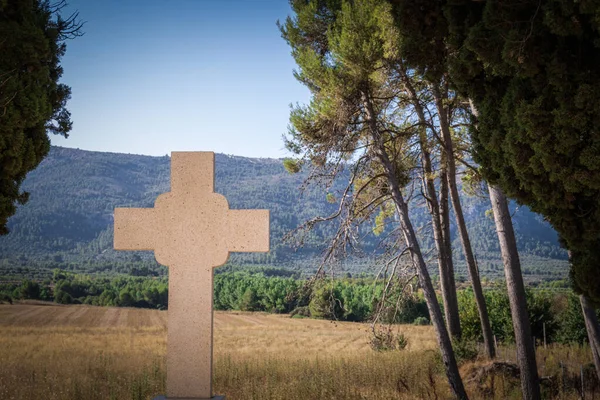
x=161, y=397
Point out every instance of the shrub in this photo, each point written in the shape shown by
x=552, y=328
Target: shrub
x=325, y=302
x=5, y=298
x=384, y=339
x=250, y=301
x=300, y=312
x=571, y=325
x=409, y=308
x=539, y=307
x=421, y=321
x=465, y=350
x=62, y=297
x=29, y=290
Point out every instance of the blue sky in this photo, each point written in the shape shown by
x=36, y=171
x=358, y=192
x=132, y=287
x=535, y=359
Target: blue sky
x=151, y=77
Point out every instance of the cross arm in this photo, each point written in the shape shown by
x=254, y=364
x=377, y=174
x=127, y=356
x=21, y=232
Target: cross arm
x=249, y=230
x=135, y=229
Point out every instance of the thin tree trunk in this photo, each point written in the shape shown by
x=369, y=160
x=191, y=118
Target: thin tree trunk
x=412, y=243
x=446, y=274
x=446, y=270
x=593, y=330
x=484, y=319
x=486, y=329
x=452, y=316
x=433, y=306
x=530, y=386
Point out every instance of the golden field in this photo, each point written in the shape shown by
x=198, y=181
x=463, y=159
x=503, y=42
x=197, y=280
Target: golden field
x=54, y=352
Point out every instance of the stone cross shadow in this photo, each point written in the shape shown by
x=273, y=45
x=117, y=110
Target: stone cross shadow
x=191, y=230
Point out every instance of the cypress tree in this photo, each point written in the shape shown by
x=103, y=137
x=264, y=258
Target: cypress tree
x=32, y=101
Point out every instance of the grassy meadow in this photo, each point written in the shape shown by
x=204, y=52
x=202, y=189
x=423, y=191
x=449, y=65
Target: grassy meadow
x=55, y=352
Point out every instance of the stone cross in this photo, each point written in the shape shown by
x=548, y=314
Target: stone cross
x=191, y=230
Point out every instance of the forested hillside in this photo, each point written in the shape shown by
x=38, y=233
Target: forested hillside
x=73, y=193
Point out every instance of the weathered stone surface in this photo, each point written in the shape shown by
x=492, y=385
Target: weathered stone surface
x=191, y=230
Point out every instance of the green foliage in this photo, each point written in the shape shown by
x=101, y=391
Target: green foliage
x=62, y=297
x=571, y=325
x=539, y=307
x=292, y=166
x=91, y=184
x=383, y=338
x=254, y=292
x=122, y=291
x=32, y=101
x=402, y=308
x=421, y=321
x=338, y=299
x=530, y=69
x=4, y=298
x=385, y=212
x=250, y=301
x=326, y=301
x=29, y=290
x=465, y=350
x=301, y=312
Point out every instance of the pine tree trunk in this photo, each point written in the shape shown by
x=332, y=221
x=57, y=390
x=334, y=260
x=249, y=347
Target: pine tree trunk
x=446, y=272
x=451, y=299
x=530, y=386
x=443, y=338
x=484, y=319
x=593, y=330
x=445, y=266
x=433, y=306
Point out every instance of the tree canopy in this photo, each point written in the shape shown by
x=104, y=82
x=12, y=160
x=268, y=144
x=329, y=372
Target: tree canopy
x=32, y=101
x=531, y=70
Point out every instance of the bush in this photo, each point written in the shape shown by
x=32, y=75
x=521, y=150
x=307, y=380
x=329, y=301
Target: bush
x=421, y=321
x=29, y=290
x=465, y=350
x=326, y=302
x=410, y=307
x=571, y=325
x=539, y=307
x=62, y=297
x=4, y=298
x=300, y=312
x=384, y=339
x=250, y=301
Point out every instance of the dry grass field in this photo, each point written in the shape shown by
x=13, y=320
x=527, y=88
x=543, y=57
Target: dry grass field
x=56, y=352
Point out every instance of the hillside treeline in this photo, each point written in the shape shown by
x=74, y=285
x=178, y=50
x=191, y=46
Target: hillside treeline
x=557, y=312
x=74, y=192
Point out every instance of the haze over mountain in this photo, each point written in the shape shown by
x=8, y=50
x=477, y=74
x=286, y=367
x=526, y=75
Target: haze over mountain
x=73, y=194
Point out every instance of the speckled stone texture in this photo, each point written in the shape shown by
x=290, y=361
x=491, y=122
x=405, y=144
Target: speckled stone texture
x=191, y=230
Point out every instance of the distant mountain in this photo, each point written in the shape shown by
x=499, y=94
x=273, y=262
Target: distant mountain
x=69, y=217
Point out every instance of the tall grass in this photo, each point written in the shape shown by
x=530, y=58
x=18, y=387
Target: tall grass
x=72, y=353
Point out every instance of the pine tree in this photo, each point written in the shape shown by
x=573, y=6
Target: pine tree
x=347, y=54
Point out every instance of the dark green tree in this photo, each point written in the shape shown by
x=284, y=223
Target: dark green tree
x=530, y=70
x=250, y=300
x=29, y=290
x=32, y=101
